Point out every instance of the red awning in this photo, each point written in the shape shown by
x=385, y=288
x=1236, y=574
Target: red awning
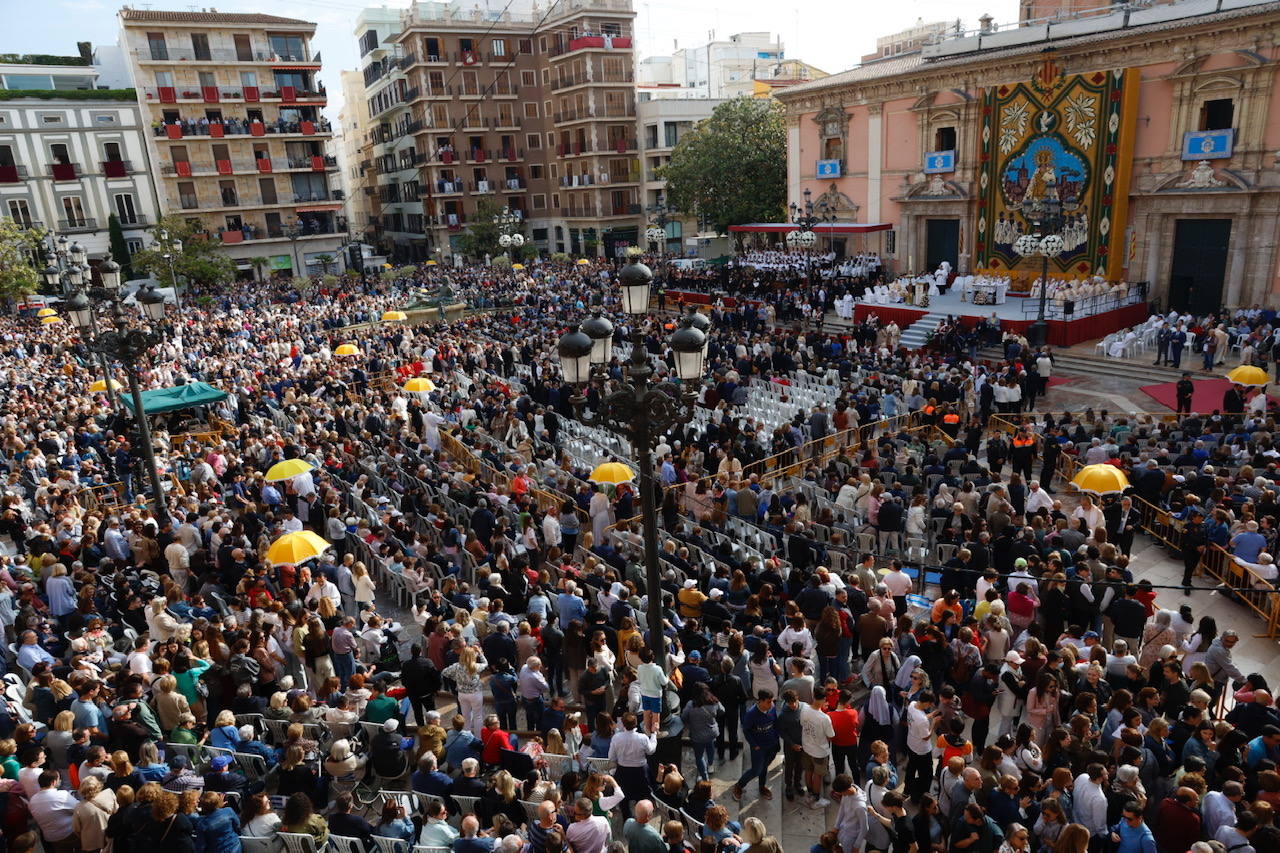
x=820, y=228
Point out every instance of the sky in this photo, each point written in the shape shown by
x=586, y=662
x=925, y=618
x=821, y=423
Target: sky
x=831, y=36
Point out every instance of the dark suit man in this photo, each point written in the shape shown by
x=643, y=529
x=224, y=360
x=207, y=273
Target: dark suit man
x=1122, y=522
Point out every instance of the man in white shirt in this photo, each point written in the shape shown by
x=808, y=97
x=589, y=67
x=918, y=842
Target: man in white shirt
x=898, y=582
x=630, y=750
x=52, y=810
x=1037, y=499
x=139, y=660
x=290, y=523
x=816, y=732
x=179, y=560
x=551, y=528
x=920, y=722
x=325, y=588
x=588, y=833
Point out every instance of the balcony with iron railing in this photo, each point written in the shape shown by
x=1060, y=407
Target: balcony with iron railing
x=504, y=122
x=12, y=174
x=407, y=61
x=589, y=42
x=510, y=154
x=568, y=81
x=64, y=171
x=136, y=220
x=479, y=155
x=578, y=211
x=312, y=197
x=222, y=55
x=482, y=187
x=514, y=185
x=79, y=224
x=407, y=128
x=236, y=126
x=429, y=92
x=116, y=168
x=448, y=187
x=218, y=94
x=573, y=149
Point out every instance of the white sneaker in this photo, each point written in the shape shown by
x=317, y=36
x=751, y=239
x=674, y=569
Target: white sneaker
x=820, y=804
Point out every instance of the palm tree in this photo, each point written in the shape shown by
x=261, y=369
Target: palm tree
x=258, y=264
x=324, y=260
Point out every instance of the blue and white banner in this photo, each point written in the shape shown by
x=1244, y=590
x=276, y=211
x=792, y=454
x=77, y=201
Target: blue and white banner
x=1207, y=144
x=827, y=169
x=939, y=162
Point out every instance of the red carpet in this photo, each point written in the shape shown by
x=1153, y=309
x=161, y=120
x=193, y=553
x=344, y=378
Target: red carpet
x=1207, y=397
x=1055, y=381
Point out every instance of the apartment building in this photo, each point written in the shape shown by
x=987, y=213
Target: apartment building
x=662, y=122
x=531, y=109
x=73, y=152
x=353, y=152
x=236, y=134
x=391, y=159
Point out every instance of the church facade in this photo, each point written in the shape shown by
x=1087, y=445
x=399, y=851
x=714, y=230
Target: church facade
x=1146, y=138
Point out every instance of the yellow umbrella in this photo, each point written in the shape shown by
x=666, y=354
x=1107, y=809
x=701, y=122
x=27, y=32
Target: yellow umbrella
x=1101, y=479
x=394, y=315
x=48, y=320
x=347, y=349
x=297, y=547
x=420, y=384
x=287, y=470
x=430, y=263
x=101, y=385
x=612, y=472
x=46, y=312
x=517, y=266
x=1247, y=374
x=582, y=262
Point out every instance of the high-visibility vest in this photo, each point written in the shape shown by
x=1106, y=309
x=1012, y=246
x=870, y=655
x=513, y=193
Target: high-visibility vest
x=951, y=418
x=1023, y=442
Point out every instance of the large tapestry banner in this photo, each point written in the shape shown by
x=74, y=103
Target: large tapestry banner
x=1056, y=141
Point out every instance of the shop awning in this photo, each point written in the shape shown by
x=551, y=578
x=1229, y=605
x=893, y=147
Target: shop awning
x=820, y=228
x=160, y=400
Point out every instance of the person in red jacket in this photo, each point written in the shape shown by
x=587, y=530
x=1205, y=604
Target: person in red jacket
x=844, y=746
x=494, y=740
x=1177, y=822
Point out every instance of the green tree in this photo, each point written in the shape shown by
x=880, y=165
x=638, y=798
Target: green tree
x=18, y=247
x=732, y=167
x=199, y=260
x=119, y=248
x=258, y=265
x=324, y=261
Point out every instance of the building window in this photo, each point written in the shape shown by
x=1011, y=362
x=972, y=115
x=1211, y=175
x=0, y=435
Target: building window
x=58, y=153
x=671, y=132
x=287, y=47
x=125, y=209
x=19, y=212
x=368, y=41
x=530, y=109
x=539, y=201
x=526, y=45
x=499, y=47
x=533, y=140
x=650, y=136
x=156, y=45
x=73, y=210
x=104, y=118
x=535, y=172
x=610, y=28
x=1217, y=114
x=200, y=47
x=51, y=119
x=944, y=139
x=133, y=247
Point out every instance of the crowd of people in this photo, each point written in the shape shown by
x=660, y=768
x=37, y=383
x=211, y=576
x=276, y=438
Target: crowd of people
x=910, y=628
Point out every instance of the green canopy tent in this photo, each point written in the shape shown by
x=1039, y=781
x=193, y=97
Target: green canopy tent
x=160, y=400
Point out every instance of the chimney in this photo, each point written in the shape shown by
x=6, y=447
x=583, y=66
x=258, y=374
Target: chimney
x=985, y=23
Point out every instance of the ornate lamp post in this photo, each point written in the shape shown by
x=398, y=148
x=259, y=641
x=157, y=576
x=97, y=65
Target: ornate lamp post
x=656, y=233
x=66, y=273
x=1045, y=217
x=169, y=246
x=641, y=409
x=128, y=345
x=803, y=237
x=293, y=231
x=509, y=236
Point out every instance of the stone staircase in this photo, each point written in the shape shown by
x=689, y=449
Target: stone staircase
x=1084, y=360
x=914, y=336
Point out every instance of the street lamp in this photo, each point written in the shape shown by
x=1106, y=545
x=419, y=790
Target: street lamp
x=508, y=223
x=128, y=345
x=803, y=237
x=66, y=272
x=1045, y=217
x=656, y=234
x=168, y=247
x=641, y=409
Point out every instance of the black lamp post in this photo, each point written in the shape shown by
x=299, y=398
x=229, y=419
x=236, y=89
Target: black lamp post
x=656, y=233
x=66, y=273
x=293, y=231
x=509, y=236
x=1045, y=217
x=803, y=237
x=127, y=345
x=641, y=409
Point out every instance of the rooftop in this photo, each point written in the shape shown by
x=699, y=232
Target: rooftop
x=1114, y=22
x=155, y=16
